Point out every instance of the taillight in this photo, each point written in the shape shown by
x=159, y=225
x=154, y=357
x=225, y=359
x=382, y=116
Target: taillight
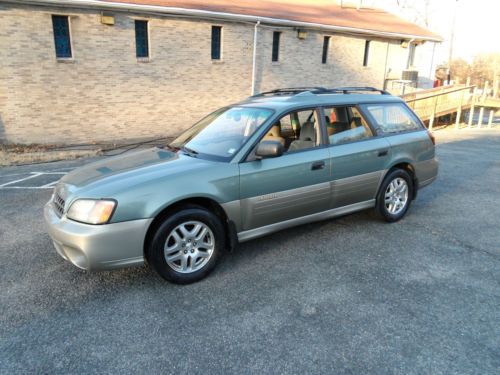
x=432, y=137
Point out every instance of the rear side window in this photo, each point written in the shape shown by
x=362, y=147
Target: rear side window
x=345, y=124
x=392, y=118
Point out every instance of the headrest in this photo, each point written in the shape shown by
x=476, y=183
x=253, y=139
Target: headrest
x=342, y=114
x=274, y=131
x=357, y=121
x=307, y=132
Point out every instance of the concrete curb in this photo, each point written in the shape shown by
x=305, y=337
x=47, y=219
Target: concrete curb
x=19, y=158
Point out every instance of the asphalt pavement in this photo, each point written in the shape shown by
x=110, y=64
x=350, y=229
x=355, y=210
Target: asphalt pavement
x=352, y=295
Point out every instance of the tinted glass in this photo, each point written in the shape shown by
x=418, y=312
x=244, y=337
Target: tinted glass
x=61, y=36
x=216, y=42
x=223, y=132
x=141, y=38
x=392, y=118
x=326, y=43
x=276, y=46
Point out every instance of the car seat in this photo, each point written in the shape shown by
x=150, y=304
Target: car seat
x=274, y=134
x=307, y=138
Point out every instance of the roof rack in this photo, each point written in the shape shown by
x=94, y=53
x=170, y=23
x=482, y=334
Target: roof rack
x=348, y=90
x=319, y=90
x=290, y=91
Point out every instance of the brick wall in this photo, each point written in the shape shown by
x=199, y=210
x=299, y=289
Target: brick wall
x=105, y=94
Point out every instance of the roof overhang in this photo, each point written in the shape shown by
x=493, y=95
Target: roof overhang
x=217, y=15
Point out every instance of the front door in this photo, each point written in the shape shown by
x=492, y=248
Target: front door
x=290, y=186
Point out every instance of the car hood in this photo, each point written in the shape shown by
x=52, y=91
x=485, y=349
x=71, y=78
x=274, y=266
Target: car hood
x=130, y=165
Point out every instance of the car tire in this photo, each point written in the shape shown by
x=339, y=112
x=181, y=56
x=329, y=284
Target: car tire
x=186, y=245
x=395, y=195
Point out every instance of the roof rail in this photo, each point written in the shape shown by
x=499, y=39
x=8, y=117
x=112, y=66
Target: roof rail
x=319, y=90
x=290, y=91
x=347, y=90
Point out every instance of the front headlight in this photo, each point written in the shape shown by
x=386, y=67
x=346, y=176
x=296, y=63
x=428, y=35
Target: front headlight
x=91, y=211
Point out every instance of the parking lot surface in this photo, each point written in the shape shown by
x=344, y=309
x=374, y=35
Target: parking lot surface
x=352, y=295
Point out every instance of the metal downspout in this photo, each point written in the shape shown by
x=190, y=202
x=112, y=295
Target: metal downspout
x=408, y=57
x=432, y=73
x=254, y=59
x=386, y=73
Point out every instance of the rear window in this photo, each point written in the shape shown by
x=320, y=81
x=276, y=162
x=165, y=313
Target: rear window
x=392, y=118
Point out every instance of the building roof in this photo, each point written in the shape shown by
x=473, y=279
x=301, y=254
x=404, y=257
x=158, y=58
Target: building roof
x=317, y=13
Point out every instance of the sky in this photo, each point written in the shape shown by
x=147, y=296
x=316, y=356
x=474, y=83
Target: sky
x=477, y=28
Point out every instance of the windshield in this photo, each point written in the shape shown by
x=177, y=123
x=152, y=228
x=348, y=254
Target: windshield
x=223, y=132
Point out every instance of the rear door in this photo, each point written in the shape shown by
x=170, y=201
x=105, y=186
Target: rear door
x=295, y=184
x=358, y=157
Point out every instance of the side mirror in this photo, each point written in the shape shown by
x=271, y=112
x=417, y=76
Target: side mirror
x=269, y=149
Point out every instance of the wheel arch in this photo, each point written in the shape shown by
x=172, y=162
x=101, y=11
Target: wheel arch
x=407, y=166
x=204, y=202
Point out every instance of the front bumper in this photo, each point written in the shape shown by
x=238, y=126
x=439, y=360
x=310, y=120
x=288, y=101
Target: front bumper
x=97, y=247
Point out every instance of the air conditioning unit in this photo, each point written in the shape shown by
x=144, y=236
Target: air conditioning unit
x=410, y=75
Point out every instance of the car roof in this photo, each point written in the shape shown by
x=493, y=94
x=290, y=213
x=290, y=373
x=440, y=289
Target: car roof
x=283, y=100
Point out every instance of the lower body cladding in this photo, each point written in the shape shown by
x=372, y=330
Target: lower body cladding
x=329, y=214
x=97, y=247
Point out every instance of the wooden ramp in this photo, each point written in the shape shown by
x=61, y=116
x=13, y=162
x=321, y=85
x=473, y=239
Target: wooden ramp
x=445, y=100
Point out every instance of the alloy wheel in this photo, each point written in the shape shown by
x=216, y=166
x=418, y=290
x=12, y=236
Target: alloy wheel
x=189, y=246
x=396, y=196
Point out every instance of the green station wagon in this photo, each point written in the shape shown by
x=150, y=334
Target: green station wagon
x=273, y=161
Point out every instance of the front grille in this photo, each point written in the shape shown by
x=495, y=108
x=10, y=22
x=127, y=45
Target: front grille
x=58, y=204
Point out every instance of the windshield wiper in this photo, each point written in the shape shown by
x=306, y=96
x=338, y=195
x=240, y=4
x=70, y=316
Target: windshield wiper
x=189, y=151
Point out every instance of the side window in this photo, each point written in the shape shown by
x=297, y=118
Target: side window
x=62, y=36
x=298, y=130
x=216, y=42
x=345, y=124
x=276, y=46
x=141, y=39
x=392, y=118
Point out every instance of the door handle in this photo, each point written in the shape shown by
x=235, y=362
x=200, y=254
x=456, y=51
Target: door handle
x=383, y=152
x=317, y=165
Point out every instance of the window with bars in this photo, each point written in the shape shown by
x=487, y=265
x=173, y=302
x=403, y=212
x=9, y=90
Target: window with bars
x=326, y=44
x=62, y=37
x=276, y=46
x=141, y=39
x=216, y=42
x=366, y=55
